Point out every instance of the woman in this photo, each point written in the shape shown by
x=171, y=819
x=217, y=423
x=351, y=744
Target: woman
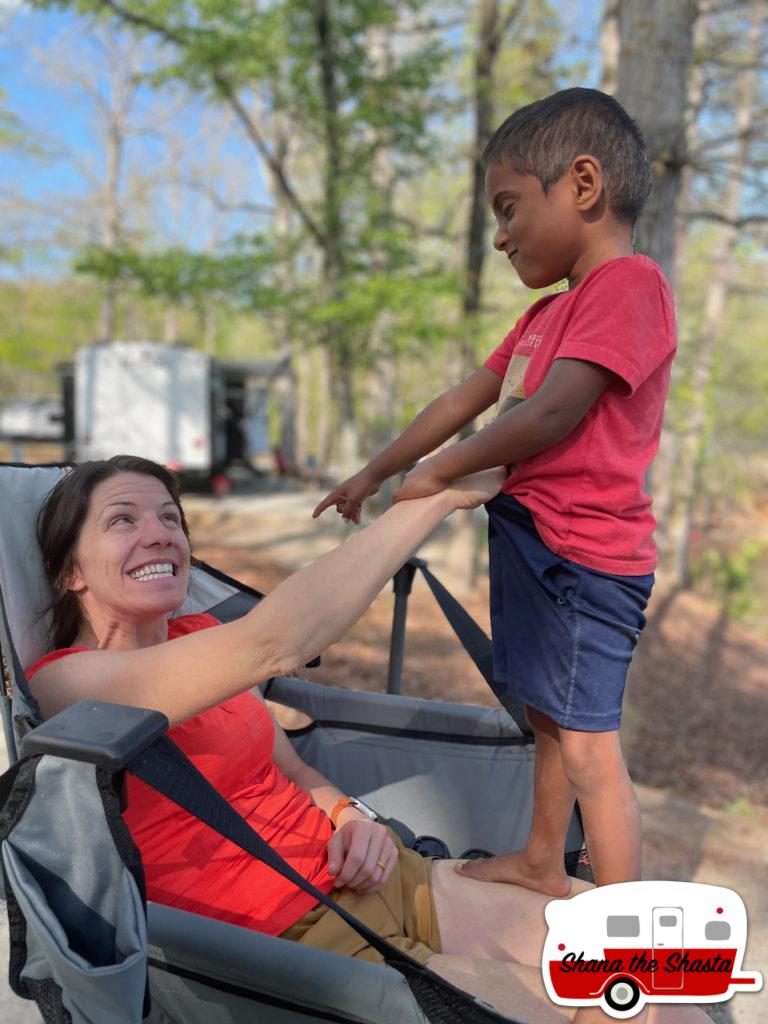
x=116, y=550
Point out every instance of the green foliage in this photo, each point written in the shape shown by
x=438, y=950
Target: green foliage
x=188, y=278
x=729, y=575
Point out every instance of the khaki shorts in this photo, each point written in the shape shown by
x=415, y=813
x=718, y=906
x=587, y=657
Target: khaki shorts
x=402, y=912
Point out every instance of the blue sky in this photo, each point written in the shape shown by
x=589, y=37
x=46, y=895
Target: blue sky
x=62, y=123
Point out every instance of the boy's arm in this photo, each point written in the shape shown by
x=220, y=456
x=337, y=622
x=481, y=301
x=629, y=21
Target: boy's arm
x=433, y=426
x=567, y=393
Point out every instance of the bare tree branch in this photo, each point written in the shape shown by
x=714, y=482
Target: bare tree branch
x=228, y=92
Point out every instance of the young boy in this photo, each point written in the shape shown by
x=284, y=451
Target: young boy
x=580, y=384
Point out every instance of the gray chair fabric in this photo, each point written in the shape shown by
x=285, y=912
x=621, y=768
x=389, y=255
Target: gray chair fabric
x=293, y=984
x=84, y=924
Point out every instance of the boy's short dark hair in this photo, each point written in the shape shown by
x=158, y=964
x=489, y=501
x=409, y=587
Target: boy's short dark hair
x=544, y=137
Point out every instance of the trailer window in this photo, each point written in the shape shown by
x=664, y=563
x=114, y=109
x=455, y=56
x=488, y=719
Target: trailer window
x=668, y=920
x=717, y=930
x=622, y=927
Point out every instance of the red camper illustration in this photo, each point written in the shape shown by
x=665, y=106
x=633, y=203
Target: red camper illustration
x=622, y=946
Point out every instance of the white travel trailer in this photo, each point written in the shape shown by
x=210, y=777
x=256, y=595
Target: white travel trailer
x=622, y=946
x=170, y=403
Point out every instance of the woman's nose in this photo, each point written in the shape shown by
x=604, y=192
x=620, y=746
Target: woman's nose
x=499, y=238
x=155, y=533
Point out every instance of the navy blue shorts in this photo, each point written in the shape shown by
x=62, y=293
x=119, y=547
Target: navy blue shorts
x=563, y=634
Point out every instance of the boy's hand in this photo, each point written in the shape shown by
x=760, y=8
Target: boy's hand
x=349, y=496
x=424, y=479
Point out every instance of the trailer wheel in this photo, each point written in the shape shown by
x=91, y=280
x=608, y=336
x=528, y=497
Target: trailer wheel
x=622, y=994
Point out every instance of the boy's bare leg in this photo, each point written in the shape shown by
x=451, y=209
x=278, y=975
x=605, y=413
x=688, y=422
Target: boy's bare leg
x=595, y=768
x=539, y=865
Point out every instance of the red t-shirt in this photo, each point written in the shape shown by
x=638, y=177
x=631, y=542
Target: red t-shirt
x=586, y=492
x=189, y=866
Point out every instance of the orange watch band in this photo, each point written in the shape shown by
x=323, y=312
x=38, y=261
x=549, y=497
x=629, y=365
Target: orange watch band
x=338, y=808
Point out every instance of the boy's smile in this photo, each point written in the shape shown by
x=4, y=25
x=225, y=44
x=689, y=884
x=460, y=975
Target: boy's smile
x=562, y=233
x=539, y=231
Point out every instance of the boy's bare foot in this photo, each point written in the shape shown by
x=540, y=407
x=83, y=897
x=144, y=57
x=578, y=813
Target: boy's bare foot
x=516, y=869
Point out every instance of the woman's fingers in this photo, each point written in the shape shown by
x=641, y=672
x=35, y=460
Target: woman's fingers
x=380, y=859
x=369, y=855
x=385, y=865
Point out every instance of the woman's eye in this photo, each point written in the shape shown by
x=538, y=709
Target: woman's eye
x=507, y=211
x=170, y=517
x=118, y=520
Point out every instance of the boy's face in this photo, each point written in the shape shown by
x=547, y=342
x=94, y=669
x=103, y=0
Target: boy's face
x=541, y=233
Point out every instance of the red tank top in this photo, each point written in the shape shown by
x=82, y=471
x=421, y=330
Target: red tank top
x=189, y=866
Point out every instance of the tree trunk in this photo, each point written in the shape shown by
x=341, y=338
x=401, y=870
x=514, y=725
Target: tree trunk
x=494, y=20
x=662, y=474
x=292, y=391
x=656, y=47
x=342, y=362
x=691, y=440
x=112, y=226
x=610, y=46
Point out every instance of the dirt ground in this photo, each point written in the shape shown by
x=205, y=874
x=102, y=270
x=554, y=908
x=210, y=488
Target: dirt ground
x=694, y=728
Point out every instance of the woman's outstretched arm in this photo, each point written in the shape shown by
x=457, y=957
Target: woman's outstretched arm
x=300, y=618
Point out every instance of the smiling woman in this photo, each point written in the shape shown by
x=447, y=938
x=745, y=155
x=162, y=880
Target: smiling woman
x=106, y=532
x=116, y=548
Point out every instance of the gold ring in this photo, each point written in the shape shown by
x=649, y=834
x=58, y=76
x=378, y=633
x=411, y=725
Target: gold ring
x=381, y=864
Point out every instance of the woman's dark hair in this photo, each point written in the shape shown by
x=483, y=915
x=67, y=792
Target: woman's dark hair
x=59, y=524
x=544, y=137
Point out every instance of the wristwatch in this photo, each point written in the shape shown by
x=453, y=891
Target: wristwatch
x=352, y=801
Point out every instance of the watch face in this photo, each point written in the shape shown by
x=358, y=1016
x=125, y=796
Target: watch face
x=368, y=811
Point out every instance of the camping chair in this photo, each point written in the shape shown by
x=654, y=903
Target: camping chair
x=80, y=942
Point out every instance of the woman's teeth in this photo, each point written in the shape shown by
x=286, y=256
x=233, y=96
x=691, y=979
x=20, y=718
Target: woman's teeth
x=152, y=572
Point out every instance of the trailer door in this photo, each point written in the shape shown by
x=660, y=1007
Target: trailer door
x=667, y=938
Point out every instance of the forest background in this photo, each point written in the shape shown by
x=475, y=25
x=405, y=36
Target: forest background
x=300, y=178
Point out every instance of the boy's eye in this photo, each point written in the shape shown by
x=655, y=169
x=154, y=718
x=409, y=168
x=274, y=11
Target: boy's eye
x=507, y=211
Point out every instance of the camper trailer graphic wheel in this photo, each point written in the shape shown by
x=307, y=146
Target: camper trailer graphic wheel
x=622, y=994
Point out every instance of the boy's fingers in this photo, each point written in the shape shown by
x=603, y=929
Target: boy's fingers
x=324, y=504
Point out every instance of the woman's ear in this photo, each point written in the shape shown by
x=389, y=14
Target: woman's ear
x=74, y=581
x=587, y=179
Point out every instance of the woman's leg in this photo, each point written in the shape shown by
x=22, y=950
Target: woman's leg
x=491, y=920
x=513, y=989
x=539, y=865
x=518, y=991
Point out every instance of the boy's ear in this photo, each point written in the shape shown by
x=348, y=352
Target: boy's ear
x=587, y=180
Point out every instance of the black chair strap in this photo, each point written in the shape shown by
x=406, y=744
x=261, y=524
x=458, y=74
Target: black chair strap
x=476, y=643
x=164, y=767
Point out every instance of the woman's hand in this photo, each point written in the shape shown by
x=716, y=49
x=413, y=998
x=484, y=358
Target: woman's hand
x=475, y=489
x=356, y=852
x=465, y=492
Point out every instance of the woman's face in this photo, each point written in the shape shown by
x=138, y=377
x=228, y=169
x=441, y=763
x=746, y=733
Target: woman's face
x=132, y=557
